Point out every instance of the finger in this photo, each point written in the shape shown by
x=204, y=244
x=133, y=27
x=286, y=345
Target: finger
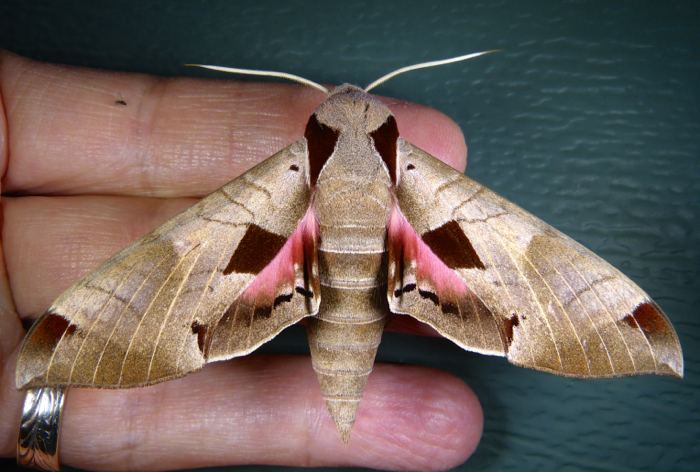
x=81, y=131
x=51, y=242
x=268, y=410
x=10, y=327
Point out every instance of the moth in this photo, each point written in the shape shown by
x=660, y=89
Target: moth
x=343, y=227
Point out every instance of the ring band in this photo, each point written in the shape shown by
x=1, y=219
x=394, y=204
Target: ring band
x=37, y=445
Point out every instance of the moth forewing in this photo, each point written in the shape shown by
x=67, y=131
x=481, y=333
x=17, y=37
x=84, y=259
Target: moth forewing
x=153, y=311
x=558, y=307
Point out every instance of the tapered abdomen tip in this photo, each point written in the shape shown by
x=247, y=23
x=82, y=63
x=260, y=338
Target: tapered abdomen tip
x=343, y=414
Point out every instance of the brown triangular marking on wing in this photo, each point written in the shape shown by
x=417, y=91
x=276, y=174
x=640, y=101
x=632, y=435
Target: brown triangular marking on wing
x=321, y=141
x=256, y=249
x=384, y=139
x=452, y=246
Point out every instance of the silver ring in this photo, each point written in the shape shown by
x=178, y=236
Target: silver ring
x=37, y=445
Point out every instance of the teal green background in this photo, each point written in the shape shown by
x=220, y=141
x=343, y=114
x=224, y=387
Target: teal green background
x=589, y=118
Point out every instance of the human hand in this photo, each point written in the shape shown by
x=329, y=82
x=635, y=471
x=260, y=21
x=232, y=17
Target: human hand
x=83, y=155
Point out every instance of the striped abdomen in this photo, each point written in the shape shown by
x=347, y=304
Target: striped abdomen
x=344, y=336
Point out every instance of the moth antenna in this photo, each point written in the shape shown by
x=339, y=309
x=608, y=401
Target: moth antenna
x=264, y=73
x=424, y=65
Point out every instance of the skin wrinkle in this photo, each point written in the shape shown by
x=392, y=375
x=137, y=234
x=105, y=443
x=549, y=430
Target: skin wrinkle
x=10, y=324
x=4, y=166
x=162, y=423
x=4, y=133
x=434, y=438
x=311, y=426
x=127, y=445
x=149, y=112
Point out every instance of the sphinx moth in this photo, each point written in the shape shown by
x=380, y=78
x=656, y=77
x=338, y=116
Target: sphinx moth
x=343, y=227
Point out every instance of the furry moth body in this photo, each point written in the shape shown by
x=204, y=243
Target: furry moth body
x=344, y=226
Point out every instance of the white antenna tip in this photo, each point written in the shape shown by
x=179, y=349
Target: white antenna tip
x=424, y=65
x=263, y=73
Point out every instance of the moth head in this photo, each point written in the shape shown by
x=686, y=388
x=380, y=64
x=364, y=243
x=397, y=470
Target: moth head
x=350, y=108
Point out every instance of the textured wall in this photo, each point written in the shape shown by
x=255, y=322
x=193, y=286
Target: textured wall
x=590, y=118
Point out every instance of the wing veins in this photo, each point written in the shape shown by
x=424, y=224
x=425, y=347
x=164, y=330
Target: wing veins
x=482, y=335
x=169, y=313
x=534, y=297
x=199, y=304
x=653, y=355
x=588, y=288
x=462, y=322
x=146, y=311
x=605, y=307
x=532, y=292
x=561, y=307
x=233, y=324
x=585, y=310
x=250, y=326
x=491, y=263
x=96, y=319
x=646, y=340
x=104, y=348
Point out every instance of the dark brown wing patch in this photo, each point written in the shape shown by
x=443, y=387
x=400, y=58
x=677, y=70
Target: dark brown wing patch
x=385, y=138
x=427, y=294
x=50, y=329
x=264, y=311
x=42, y=340
x=649, y=319
x=201, y=331
x=452, y=246
x=405, y=289
x=284, y=298
x=321, y=141
x=508, y=325
x=256, y=249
